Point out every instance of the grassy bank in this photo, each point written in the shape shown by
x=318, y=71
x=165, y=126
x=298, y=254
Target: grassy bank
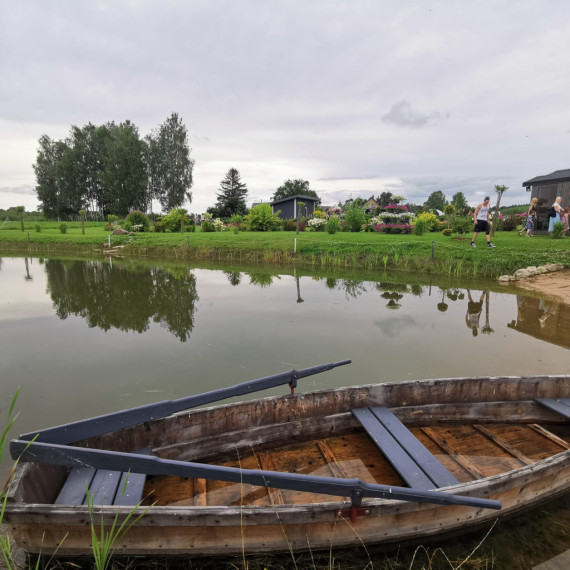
x=431, y=252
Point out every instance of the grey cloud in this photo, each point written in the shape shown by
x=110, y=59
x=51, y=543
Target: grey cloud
x=404, y=115
x=18, y=190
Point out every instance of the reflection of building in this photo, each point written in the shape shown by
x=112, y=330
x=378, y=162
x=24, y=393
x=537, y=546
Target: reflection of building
x=546, y=189
x=543, y=319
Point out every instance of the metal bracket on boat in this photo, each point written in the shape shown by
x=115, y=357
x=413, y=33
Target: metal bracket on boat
x=353, y=513
x=293, y=383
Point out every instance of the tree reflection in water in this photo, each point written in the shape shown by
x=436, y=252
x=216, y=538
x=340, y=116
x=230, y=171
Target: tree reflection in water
x=125, y=298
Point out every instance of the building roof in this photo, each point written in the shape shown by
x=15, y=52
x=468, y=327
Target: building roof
x=553, y=178
x=296, y=196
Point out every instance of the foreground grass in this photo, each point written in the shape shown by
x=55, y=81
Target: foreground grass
x=431, y=253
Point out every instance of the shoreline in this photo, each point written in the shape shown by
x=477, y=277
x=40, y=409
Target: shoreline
x=556, y=285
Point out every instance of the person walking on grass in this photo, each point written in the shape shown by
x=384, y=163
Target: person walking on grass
x=530, y=218
x=481, y=219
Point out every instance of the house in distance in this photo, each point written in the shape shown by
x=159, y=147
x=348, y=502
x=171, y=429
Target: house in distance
x=289, y=207
x=546, y=189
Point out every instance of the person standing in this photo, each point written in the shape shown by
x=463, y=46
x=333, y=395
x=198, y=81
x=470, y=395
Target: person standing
x=557, y=214
x=481, y=219
x=530, y=218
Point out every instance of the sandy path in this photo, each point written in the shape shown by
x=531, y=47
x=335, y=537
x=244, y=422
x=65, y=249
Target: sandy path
x=555, y=284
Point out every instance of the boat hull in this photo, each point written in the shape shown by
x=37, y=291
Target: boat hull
x=37, y=525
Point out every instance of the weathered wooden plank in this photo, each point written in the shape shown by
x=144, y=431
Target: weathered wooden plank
x=200, y=495
x=400, y=460
x=503, y=444
x=266, y=463
x=131, y=485
x=550, y=436
x=468, y=465
x=104, y=486
x=330, y=458
x=415, y=448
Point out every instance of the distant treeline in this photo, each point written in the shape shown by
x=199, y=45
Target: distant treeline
x=110, y=169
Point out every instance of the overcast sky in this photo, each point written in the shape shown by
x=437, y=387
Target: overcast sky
x=357, y=97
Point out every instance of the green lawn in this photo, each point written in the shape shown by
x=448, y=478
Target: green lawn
x=404, y=252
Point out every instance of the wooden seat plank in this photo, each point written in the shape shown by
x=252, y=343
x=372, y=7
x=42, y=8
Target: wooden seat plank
x=107, y=487
x=561, y=406
x=415, y=448
x=74, y=489
x=408, y=469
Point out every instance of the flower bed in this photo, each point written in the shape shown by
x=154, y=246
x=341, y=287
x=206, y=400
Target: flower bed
x=394, y=228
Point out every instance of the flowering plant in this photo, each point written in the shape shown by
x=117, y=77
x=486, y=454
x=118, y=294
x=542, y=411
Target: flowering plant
x=397, y=207
x=316, y=222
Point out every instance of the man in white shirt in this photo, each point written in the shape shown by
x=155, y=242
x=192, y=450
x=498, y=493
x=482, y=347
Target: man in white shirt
x=481, y=219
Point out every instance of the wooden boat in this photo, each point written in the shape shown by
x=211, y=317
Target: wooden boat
x=383, y=463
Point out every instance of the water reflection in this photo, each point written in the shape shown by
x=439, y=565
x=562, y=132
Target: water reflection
x=543, y=319
x=124, y=298
x=27, y=277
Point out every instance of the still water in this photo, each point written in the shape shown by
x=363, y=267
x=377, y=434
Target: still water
x=82, y=338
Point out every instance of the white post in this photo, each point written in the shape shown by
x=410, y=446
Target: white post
x=109, y=238
x=295, y=249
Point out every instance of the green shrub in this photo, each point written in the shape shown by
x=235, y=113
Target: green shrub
x=173, y=220
x=510, y=223
x=159, y=226
x=138, y=218
x=354, y=218
x=420, y=226
x=461, y=224
x=558, y=230
x=262, y=219
x=191, y=227
x=208, y=226
x=112, y=218
x=289, y=225
x=63, y=228
x=447, y=231
x=431, y=220
x=38, y=228
x=333, y=225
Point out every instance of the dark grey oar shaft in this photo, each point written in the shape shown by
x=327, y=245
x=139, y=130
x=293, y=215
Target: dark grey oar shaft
x=117, y=461
x=83, y=429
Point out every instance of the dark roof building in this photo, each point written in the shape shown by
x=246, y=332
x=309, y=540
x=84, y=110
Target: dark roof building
x=288, y=207
x=547, y=188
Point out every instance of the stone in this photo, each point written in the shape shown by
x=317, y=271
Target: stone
x=120, y=232
x=505, y=279
x=522, y=274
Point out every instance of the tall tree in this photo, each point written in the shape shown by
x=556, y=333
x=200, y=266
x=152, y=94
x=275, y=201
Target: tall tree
x=385, y=199
x=293, y=188
x=500, y=190
x=436, y=201
x=459, y=201
x=233, y=191
x=124, y=176
x=169, y=164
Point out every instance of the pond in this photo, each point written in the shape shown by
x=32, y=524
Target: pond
x=87, y=337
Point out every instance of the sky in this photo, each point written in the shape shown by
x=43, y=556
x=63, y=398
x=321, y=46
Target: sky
x=358, y=97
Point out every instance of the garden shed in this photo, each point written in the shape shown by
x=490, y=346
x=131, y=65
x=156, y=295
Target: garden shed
x=546, y=189
x=288, y=207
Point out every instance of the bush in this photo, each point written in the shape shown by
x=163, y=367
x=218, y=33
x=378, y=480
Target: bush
x=262, y=219
x=63, y=228
x=159, y=226
x=333, y=225
x=354, y=218
x=138, y=218
x=208, y=226
x=447, y=231
x=38, y=228
x=558, y=230
x=510, y=223
x=420, y=226
x=112, y=218
x=461, y=224
x=431, y=221
x=289, y=225
x=173, y=220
